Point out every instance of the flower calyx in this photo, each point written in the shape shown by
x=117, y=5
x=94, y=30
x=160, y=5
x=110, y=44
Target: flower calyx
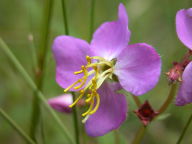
x=146, y=113
x=175, y=73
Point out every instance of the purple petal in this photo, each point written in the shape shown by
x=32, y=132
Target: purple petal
x=70, y=54
x=111, y=37
x=61, y=103
x=138, y=68
x=111, y=113
x=184, y=26
x=184, y=95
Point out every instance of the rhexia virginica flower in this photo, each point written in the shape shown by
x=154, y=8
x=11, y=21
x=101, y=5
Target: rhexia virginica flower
x=184, y=33
x=61, y=103
x=97, y=70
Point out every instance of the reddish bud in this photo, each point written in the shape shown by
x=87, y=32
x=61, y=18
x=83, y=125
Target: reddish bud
x=146, y=113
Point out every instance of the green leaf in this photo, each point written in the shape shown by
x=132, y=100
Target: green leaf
x=163, y=116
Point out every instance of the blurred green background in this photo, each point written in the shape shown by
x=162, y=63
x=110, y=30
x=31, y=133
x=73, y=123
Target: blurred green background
x=150, y=21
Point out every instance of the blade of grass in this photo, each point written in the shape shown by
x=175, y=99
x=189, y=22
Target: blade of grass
x=36, y=113
x=31, y=83
x=75, y=115
x=16, y=127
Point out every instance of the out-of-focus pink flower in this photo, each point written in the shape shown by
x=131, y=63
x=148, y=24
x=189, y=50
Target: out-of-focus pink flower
x=61, y=103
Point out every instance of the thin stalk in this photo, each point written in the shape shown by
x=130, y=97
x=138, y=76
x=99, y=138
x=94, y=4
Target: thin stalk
x=31, y=83
x=35, y=118
x=43, y=129
x=139, y=135
x=65, y=17
x=75, y=116
x=16, y=127
x=33, y=50
x=184, y=130
x=136, y=100
x=169, y=98
x=75, y=121
x=116, y=137
x=92, y=18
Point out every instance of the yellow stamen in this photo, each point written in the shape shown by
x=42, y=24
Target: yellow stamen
x=84, y=80
x=78, y=81
x=89, y=98
x=90, y=108
x=74, y=103
x=93, y=98
x=78, y=72
x=88, y=59
x=101, y=80
x=100, y=63
x=97, y=105
x=98, y=58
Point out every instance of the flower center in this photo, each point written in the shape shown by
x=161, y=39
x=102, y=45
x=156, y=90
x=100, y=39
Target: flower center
x=101, y=69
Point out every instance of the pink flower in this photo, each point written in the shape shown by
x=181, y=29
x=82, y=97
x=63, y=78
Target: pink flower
x=184, y=32
x=104, y=66
x=61, y=103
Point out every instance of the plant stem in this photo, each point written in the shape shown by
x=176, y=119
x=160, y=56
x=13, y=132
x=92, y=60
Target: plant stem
x=75, y=116
x=116, y=137
x=34, y=87
x=169, y=98
x=35, y=118
x=65, y=17
x=16, y=127
x=185, y=129
x=92, y=18
x=139, y=135
x=75, y=120
x=137, y=100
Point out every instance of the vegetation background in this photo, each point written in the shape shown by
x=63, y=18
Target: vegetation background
x=150, y=21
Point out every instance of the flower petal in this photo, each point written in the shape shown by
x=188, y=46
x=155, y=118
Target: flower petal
x=111, y=37
x=111, y=113
x=138, y=68
x=184, y=26
x=184, y=95
x=70, y=54
x=61, y=103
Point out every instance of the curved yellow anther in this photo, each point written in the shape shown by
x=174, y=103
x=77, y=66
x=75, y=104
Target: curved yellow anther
x=88, y=58
x=78, y=72
x=78, y=81
x=84, y=78
x=75, y=102
x=89, y=98
x=97, y=104
x=90, y=108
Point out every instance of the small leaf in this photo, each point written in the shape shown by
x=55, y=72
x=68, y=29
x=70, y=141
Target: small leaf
x=162, y=116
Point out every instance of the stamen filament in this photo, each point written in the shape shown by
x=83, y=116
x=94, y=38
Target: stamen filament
x=98, y=58
x=97, y=105
x=101, y=80
x=85, y=119
x=100, y=63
